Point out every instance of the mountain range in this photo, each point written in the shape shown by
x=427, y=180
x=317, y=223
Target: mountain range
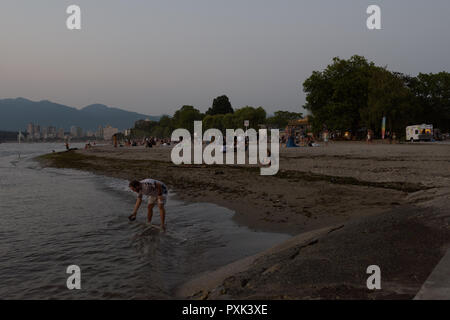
x=15, y=114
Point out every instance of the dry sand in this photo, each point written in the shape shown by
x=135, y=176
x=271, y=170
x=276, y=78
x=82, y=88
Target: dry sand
x=351, y=205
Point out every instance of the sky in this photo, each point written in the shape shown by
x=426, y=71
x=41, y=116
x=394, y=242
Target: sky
x=155, y=56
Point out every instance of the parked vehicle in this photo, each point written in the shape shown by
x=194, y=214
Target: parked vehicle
x=421, y=132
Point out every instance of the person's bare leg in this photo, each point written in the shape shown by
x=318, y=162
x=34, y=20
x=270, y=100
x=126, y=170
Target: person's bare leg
x=162, y=214
x=150, y=213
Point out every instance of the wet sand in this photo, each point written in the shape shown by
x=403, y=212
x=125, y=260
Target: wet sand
x=370, y=201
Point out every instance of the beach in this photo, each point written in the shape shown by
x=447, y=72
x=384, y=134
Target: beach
x=347, y=205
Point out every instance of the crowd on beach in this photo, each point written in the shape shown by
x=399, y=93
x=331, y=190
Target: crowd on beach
x=148, y=142
x=288, y=138
x=300, y=139
x=303, y=139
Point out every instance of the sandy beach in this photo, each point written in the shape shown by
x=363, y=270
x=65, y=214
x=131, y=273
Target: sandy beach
x=348, y=205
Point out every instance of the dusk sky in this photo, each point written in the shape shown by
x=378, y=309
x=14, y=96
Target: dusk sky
x=155, y=56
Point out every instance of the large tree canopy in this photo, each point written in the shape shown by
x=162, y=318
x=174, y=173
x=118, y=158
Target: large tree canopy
x=280, y=119
x=433, y=94
x=221, y=105
x=354, y=94
x=388, y=96
x=185, y=117
x=335, y=95
x=256, y=117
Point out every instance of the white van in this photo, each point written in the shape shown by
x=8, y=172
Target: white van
x=421, y=132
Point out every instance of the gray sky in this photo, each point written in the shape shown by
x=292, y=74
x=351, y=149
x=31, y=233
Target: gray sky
x=155, y=56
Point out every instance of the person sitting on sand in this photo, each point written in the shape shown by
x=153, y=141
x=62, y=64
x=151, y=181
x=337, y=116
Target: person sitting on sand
x=156, y=192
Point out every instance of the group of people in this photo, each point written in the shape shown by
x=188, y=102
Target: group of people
x=89, y=145
x=391, y=137
x=301, y=139
x=148, y=142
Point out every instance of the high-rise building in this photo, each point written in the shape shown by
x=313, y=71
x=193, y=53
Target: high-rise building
x=76, y=132
x=73, y=131
x=99, y=133
x=44, y=132
x=30, y=129
x=90, y=134
x=37, y=131
x=51, y=132
x=108, y=132
x=60, y=134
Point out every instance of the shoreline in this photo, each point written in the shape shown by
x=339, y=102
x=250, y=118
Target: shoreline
x=316, y=189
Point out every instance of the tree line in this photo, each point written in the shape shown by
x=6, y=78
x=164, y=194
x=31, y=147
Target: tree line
x=348, y=95
x=355, y=94
x=221, y=115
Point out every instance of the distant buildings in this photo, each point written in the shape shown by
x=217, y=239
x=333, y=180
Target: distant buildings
x=60, y=134
x=99, y=133
x=73, y=131
x=30, y=129
x=76, y=132
x=90, y=134
x=108, y=132
x=35, y=133
x=50, y=133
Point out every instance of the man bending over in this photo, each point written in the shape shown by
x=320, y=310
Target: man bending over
x=156, y=192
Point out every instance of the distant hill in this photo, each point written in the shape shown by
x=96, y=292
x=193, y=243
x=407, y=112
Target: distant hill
x=15, y=114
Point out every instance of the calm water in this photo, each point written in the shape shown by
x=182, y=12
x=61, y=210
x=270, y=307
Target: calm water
x=52, y=218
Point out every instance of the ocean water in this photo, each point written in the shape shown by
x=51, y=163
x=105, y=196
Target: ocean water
x=53, y=218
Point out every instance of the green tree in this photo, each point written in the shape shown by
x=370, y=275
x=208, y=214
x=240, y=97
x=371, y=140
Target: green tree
x=388, y=96
x=433, y=94
x=280, y=119
x=221, y=105
x=214, y=122
x=256, y=116
x=235, y=120
x=166, y=122
x=146, y=125
x=143, y=128
x=335, y=95
x=228, y=121
x=185, y=117
x=157, y=132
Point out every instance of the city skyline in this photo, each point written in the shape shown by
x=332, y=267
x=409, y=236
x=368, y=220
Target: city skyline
x=36, y=133
x=155, y=57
